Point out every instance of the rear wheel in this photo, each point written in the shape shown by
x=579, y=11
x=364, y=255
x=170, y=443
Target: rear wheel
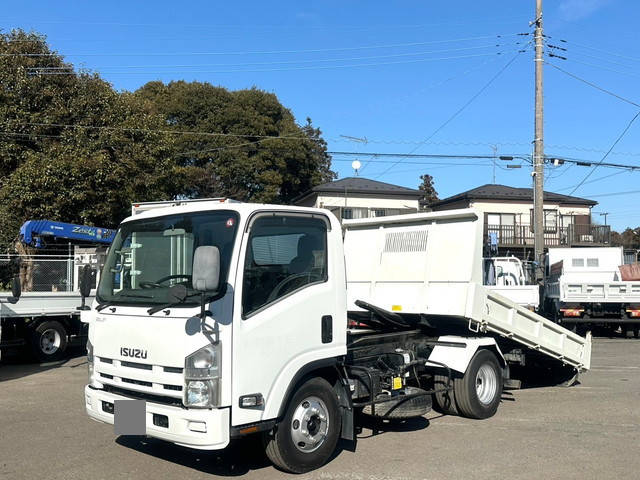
x=445, y=401
x=49, y=341
x=478, y=392
x=308, y=434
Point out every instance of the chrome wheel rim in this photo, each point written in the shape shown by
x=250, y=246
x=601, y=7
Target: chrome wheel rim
x=50, y=341
x=309, y=424
x=486, y=384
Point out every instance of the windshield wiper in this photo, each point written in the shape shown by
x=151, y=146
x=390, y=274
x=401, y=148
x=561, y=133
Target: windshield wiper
x=104, y=305
x=157, y=308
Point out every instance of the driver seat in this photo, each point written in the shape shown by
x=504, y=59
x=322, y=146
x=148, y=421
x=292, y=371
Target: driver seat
x=305, y=259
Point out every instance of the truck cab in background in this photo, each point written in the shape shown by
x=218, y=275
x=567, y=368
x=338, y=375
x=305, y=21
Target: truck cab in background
x=508, y=277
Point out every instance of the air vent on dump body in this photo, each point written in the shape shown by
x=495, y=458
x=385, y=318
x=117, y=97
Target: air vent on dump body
x=398, y=242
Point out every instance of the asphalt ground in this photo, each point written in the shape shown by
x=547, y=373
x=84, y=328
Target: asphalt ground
x=587, y=431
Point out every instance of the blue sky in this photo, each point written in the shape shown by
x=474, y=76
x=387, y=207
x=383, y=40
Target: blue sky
x=393, y=73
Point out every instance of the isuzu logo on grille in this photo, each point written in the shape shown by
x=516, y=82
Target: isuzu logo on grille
x=133, y=352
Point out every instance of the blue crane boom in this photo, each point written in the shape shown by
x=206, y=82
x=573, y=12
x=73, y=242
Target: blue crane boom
x=32, y=231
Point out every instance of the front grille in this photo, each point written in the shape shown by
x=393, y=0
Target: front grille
x=176, y=402
x=137, y=382
x=141, y=366
x=147, y=378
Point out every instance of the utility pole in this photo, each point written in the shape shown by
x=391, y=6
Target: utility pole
x=538, y=150
x=604, y=214
x=495, y=155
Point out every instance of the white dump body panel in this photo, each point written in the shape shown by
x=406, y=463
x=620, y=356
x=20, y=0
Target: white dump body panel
x=431, y=263
x=590, y=275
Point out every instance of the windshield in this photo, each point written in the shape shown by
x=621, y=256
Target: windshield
x=149, y=256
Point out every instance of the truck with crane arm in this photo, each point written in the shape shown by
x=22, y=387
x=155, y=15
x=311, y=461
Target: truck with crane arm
x=45, y=315
x=215, y=320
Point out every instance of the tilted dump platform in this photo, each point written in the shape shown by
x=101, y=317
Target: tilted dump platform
x=431, y=264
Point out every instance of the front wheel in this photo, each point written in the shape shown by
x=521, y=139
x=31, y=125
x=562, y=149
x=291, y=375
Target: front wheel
x=49, y=341
x=308, y=434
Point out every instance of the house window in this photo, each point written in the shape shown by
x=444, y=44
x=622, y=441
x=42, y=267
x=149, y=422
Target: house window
x=503, y=225
x=566, y=221
x=550, y=221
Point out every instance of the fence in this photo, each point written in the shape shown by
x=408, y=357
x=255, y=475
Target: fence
x=43, y=273
x=573, y=235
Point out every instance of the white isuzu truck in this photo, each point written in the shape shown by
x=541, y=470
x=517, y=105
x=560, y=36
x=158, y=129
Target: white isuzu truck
x=226, y=319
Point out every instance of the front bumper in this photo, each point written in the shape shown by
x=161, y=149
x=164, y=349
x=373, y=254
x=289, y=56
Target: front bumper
x=182, y=421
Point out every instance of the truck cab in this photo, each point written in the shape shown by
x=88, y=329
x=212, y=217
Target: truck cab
x=189, y=291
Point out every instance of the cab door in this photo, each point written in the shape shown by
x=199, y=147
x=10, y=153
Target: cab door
x=289, y=299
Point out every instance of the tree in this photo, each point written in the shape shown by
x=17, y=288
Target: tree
x=429, y=192
x=71, y=147
x=629, y=238
x=74, y=149
x=242, y=144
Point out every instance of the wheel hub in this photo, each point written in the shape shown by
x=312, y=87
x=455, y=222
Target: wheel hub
x=50, y=341
x=486, y=384
x=309, y=424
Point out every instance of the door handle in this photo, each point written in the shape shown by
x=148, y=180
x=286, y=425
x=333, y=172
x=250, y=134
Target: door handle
x=327, y=329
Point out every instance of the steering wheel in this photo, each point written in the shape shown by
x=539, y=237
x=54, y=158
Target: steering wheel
x=157, y=283
x=275, y=293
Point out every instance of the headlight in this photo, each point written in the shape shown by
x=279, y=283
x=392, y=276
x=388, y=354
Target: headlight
x=90, y=360
x=202, y=377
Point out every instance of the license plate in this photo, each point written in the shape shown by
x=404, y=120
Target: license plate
x=130, y=417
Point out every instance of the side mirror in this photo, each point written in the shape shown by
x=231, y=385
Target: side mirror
x=206, y=269
x=16, y=290
x=85, y=286
x=85, y=281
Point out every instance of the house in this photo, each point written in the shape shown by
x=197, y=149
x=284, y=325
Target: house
x=357, y=197
x=508, y=218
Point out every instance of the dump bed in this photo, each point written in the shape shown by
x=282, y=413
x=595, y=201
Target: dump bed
x=431, y=264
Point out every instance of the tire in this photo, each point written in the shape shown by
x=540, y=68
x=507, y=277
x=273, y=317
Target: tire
x=445, y=402
x=288, y=446
x=49, y=341
x=411, y=408
x=636, y=331
x=478, y=392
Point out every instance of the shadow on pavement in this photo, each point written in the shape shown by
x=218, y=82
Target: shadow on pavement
x=239, y=458
x=382, y=426
x=15, y=367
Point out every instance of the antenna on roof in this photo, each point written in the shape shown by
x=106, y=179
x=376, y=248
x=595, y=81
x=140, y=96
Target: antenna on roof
x=356, y=166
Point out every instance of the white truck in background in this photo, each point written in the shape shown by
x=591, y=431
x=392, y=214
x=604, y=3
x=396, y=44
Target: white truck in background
x=584, y=288
x=229, y=319
x=507, y=276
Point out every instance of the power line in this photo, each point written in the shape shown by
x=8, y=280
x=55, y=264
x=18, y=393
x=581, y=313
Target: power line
x=461, y=109
x=607, y=154
x=282, y=62
x=286, y=69
x=591, y=84
x=261, y=52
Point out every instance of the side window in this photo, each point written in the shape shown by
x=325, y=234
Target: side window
x=285, y=254
x=577, y=262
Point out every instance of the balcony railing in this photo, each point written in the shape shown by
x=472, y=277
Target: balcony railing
x=572, y=235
